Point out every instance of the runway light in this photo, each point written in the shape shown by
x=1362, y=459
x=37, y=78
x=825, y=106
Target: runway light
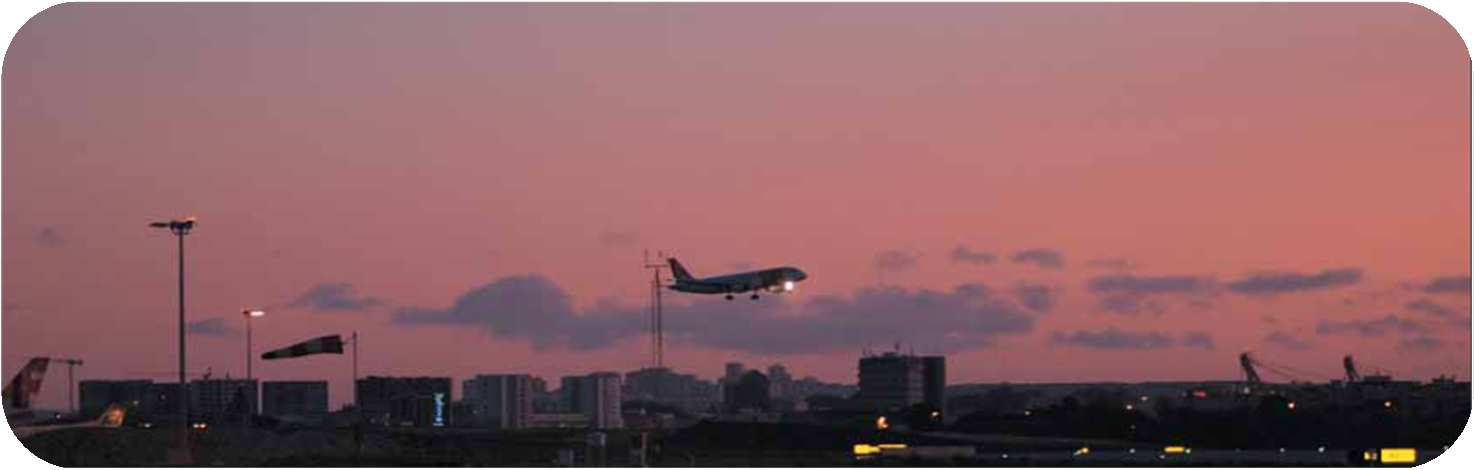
x=1175, y=449
x=881, y=424
x=891, y=446
x=1082, y=451
x=1291, y=405
x=866, y=449
x=1399, y=455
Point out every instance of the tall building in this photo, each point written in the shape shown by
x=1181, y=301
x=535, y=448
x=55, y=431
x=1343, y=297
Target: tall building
x=376, y=396
x=499, y=401
x=734, y=371
x=747, y=393
x=894, y=380
x=934, y=382
x=220, y=398
x=306, y=401
x=596, y=396
x=661, y=385
x=97, y=395
x=780, y=382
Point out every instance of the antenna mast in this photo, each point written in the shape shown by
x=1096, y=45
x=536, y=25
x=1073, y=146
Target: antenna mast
x=657, y=326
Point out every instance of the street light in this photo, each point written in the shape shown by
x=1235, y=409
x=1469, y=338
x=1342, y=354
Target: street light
x=248, y=314
x=180, y=228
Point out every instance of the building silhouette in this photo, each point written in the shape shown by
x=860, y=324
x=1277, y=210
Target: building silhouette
x=596, y=396
x=301, y=401
x=397, y=400
x=499, y=401
x=97, y=395
x=894, y=380
x=748, y=393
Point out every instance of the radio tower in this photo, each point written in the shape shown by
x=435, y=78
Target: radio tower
x=657, y=327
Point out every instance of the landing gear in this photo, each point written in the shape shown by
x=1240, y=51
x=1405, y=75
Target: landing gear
x=754, y=296
x=729, y=296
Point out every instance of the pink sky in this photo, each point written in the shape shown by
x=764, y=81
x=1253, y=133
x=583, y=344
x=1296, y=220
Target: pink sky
x=419, y=152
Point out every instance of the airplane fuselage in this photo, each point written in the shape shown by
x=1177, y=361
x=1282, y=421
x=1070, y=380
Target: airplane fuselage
x=778, y=280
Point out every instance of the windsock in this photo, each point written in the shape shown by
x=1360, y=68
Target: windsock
x=332, y=344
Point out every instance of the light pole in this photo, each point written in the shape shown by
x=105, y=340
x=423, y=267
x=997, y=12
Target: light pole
x=248, y=314
x=180, y=228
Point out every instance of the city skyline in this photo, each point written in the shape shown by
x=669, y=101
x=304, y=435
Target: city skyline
x=1044, y=194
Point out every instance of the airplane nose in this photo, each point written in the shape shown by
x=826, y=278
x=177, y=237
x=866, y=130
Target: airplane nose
x=802, y=275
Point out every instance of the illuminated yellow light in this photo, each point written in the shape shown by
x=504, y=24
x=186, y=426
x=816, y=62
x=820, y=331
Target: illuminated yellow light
x=1399, y=455
x=1174, y=449
x=892, y=446
x=866, y=449
x=1083, y=451
x=881, y=424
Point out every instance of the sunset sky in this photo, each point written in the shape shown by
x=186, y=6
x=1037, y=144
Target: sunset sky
x=1041, y=192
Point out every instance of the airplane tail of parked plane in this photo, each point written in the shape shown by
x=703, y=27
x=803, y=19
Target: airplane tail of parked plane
x=680, y=271
x=26, y=384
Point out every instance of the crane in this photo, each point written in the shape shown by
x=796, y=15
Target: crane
x=1251, y=377
x=1350, y=365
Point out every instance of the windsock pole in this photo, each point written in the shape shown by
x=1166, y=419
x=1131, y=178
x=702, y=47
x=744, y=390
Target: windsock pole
x=355, y=369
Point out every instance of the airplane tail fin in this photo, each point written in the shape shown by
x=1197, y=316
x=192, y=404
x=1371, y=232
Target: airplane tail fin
x=679, y=271
x=26, y=384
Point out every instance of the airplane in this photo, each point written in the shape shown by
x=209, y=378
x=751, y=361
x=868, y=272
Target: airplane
x=776, y=280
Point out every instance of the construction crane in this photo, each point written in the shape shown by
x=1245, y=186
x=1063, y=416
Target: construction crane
x=1253, y=365
x=1350, y=365
x=1379, y=376
x=1251, y=377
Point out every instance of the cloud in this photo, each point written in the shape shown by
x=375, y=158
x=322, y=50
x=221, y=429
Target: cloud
x=1113, y=339
x=1145, y=285
x=528, y=307
x=1287, y=282
x=1130, y=295
x=1131, y=305
x=1041, y=257
x=1370, y=328
x=1448, y=285
x=963, y=254
x=1197, y=339
x=534, y=309
x=1037, y=297
x=1287, y=341
x=335, y=296
x=216, y=327
x=895, y=260
x=1432, y=308
x=1420, y=343
x=619, y=238
x=50, y=236
x=1110, y=263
